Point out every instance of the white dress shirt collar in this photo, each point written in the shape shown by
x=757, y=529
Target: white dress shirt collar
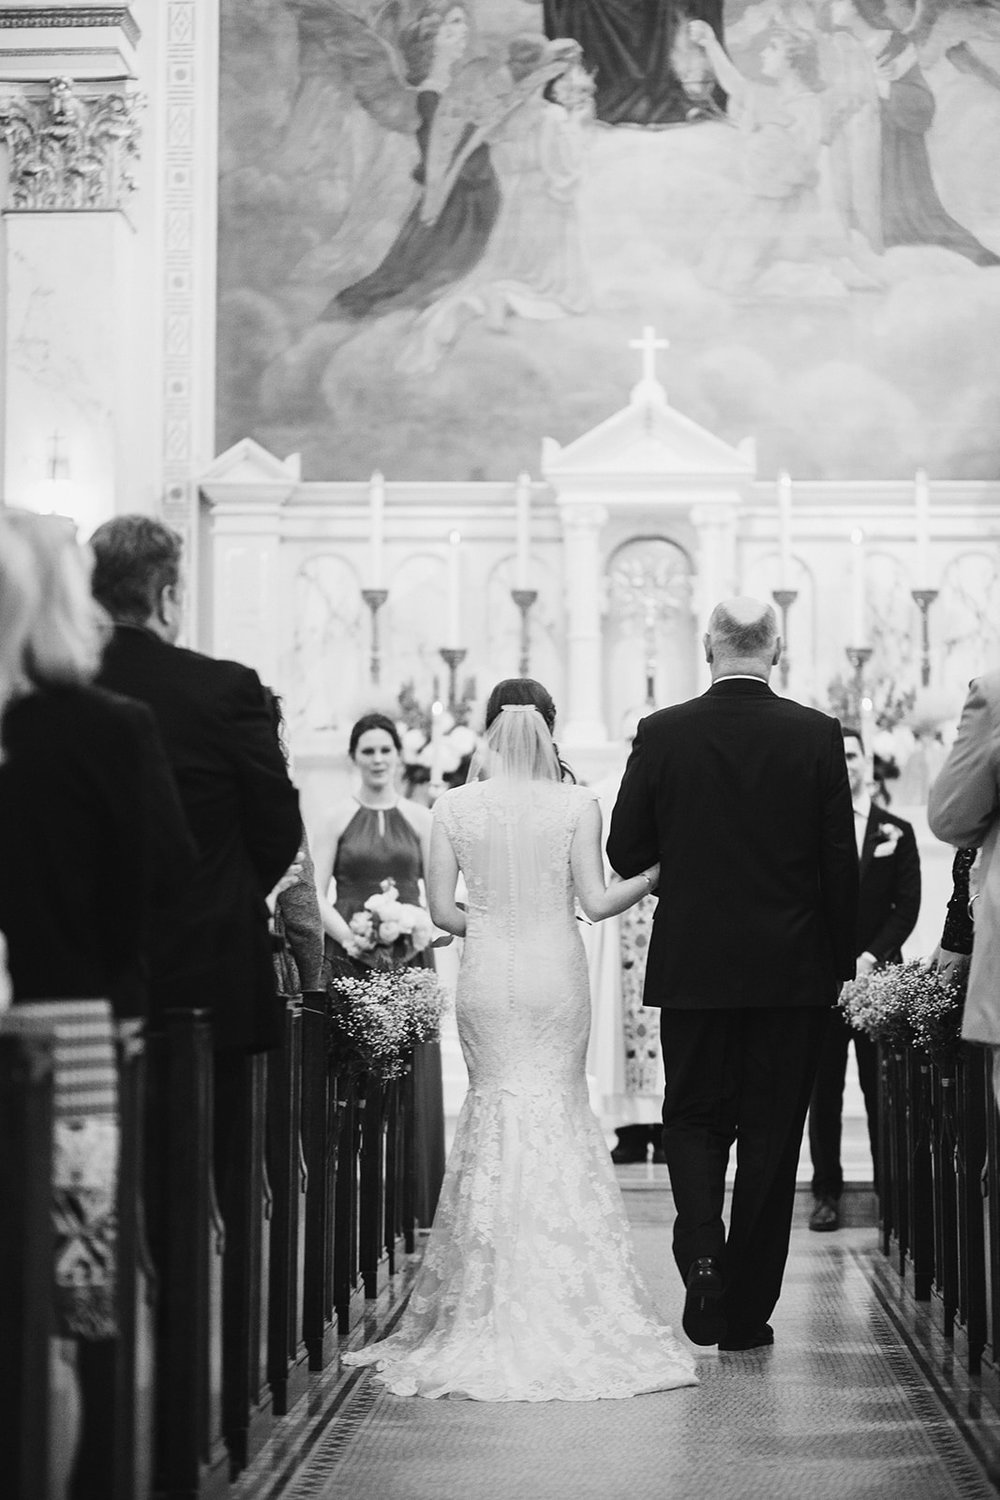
x=862, y=810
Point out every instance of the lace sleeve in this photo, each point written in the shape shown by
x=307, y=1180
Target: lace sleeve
x=441, y=814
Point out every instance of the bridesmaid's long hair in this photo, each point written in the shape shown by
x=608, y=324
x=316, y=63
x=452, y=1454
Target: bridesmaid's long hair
x=525, y=690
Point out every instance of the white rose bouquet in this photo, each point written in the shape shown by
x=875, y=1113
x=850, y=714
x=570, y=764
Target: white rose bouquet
x=389, y=932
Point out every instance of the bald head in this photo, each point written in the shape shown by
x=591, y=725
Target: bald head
x=742, y=637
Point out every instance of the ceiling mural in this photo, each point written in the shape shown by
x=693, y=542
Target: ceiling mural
x=441, y=224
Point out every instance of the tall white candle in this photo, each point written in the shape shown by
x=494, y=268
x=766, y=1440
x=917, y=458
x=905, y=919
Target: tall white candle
x=454, y=590
x=922, y=510
x=523, y=504
x=866, y=714
x=376, y=498
x=785, y=528
x=857, y=588
x=437, y=742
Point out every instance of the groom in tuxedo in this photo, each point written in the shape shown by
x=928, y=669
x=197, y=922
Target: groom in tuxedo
x=743, y=798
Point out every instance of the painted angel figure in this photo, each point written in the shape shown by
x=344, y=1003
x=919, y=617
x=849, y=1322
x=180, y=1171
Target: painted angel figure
x=411, y=76
x=781, y=215
x=954, y=29
x=534, y=266
x=910, y=210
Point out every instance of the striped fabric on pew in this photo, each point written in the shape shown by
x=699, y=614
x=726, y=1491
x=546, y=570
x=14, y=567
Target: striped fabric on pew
x=85, y=1152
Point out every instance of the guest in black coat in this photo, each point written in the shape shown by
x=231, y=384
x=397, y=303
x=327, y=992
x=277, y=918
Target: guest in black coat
x=91, y=828
x=92, y=841
x=742, y=798
x=212, y=947
x=887, y=913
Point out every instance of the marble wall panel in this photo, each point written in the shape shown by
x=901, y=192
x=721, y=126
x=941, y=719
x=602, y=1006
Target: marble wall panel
x=67, y=392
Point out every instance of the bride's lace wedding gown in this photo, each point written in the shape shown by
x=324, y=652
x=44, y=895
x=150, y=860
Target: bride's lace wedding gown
x=528, y=1290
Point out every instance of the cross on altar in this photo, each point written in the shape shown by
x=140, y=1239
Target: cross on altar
x=649, y=344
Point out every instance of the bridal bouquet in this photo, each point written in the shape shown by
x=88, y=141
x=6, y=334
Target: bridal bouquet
x=375, y=1022
x=390, y=932
x=907, y=1005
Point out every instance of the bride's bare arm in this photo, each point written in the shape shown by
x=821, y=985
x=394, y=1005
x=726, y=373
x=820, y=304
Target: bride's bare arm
x=442, y=878
x=598, y=900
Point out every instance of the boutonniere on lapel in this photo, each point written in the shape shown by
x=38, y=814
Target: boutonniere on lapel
x=889, y=836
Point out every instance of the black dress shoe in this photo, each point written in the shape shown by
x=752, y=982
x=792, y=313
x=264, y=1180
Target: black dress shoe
x=739, y=1339
x=704, y=1320
x=625, y=1155
x=825, y=1216
x=632, y=1145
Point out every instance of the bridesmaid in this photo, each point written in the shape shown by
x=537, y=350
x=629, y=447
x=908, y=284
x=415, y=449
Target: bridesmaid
x=367, y=838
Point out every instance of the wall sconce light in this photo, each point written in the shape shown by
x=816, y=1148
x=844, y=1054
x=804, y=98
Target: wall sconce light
x=58, y=494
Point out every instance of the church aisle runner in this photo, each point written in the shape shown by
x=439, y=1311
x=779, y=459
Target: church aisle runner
x=838, y=1410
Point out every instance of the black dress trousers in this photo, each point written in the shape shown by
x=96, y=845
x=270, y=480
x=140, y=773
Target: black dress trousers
x=741, y=1075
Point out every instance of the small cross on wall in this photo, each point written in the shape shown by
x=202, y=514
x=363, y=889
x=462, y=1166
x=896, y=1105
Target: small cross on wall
x=648, y=345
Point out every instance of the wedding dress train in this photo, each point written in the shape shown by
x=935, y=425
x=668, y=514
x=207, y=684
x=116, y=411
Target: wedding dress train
x=528, y=1289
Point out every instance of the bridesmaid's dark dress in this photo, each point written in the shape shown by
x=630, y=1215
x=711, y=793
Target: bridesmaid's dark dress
x=379, y=843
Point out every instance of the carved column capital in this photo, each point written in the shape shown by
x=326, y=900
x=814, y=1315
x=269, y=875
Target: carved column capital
x=722, y=516
x=583, y=515
x=71, y=151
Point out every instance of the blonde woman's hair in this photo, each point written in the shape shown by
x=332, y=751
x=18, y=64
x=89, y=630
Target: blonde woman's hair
x=68, y=628
x=18, y=605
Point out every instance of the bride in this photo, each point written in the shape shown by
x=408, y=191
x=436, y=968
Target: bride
x=528, y=1290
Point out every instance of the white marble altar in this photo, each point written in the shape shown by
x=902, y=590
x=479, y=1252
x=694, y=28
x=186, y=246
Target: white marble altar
x=636, y=529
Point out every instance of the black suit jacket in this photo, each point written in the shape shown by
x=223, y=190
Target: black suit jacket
x=93, y=842
x=890, y=886
x=212, y=947
x=743, y=799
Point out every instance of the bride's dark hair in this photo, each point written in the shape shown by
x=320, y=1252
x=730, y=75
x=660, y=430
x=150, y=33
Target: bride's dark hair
x=525, y=690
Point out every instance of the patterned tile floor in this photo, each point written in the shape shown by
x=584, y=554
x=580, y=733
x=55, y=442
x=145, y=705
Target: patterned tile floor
x=845, y=1406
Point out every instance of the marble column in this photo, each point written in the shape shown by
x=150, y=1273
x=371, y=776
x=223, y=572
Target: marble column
x=583, y=720
x=715, y=525
x=247, y=489
x=72, y=381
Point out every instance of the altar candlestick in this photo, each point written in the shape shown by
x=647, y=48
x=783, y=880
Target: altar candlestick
x=376, y=494
x=922, y=506
x=454, y=590
x=437, y=742
x=523, y=503
x=785, y=528
x=857, y=587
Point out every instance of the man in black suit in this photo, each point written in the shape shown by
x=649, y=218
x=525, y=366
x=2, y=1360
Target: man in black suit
x=212, y=946
x=887, y=914
x=743, y=799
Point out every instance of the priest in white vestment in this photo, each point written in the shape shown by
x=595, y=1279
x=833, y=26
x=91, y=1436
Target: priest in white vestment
x=624, y=1061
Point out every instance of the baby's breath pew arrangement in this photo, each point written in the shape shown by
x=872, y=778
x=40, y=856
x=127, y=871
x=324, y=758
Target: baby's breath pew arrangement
x=376, y=1021
x=907, y=1005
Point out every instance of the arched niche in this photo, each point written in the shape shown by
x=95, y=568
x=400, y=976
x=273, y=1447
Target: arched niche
x=649, y=627
x=892, y=632
x=415, y=626
x=965, y=622
x=326, y=667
